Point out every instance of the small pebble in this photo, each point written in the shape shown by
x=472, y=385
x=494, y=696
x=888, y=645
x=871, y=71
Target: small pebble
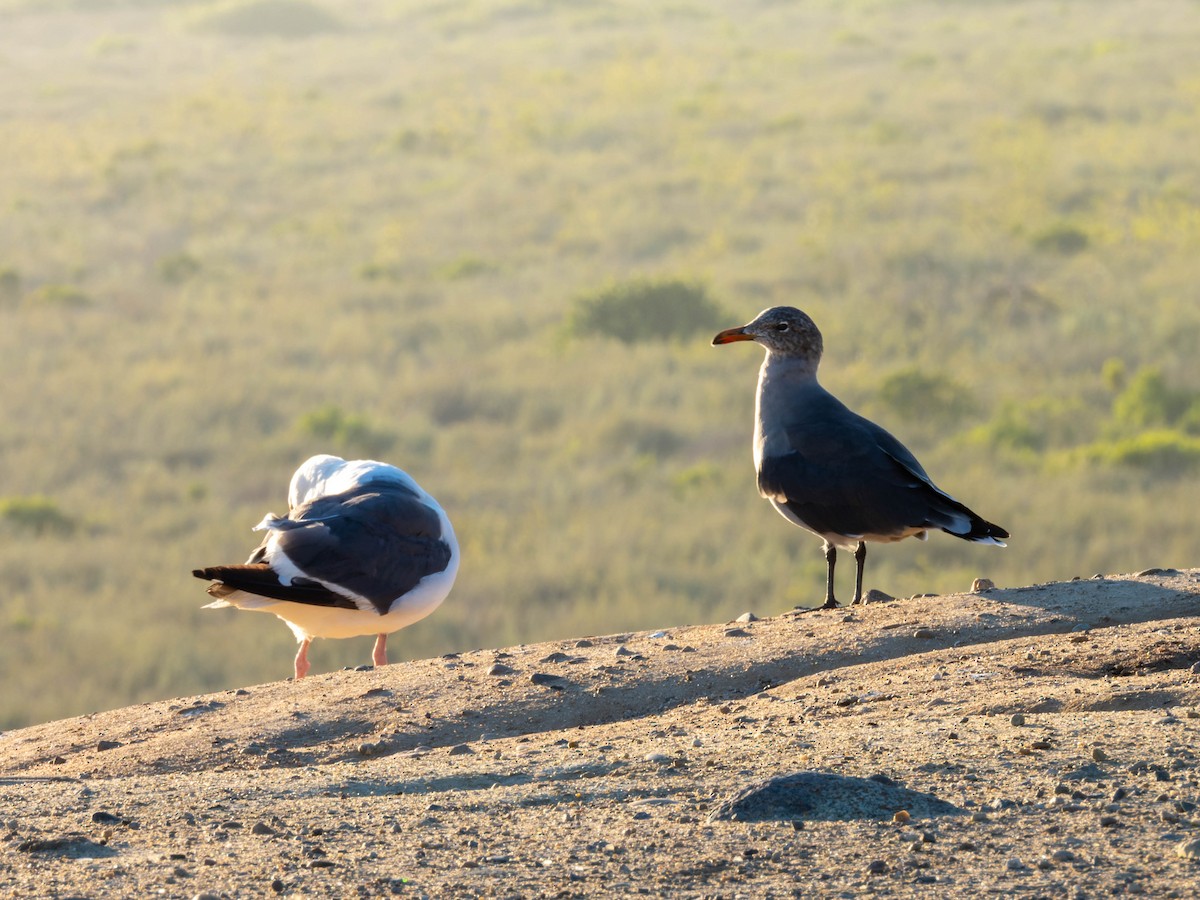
x=1108, y=821
x=876, y=596
x=500, y=669
x=1098, y=755
x=622, y=650
x=262, y=828
x=1017, y=719
x=736, y=632
x=461, y=750
x=877, y=867
x=923, y=633
x=1189, y=850
x=1014, y=864
x=1062, y=856
x=107, y=745
x=747, y=617
x=660, y=758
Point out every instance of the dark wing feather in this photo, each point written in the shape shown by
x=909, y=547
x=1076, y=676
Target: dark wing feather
x=377, y=542
x=846, y=475
x=261, y=580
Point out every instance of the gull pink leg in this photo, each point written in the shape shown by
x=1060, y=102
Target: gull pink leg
x=379, y=655
x=302, y=659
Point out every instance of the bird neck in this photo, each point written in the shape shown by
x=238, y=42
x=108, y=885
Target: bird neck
x=778, y=380
x=779, y=371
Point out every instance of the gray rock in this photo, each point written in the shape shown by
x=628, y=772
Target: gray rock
x=1189, y=850
x=823, y=796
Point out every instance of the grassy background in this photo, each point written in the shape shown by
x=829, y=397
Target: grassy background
x=235, y=234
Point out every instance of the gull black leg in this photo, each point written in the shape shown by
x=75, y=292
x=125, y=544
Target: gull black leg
x=860, y=558
x=830, y=562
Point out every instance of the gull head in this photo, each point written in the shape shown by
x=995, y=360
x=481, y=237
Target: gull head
x=783, y=330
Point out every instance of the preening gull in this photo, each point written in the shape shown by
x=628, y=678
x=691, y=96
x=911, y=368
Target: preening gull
x=363, y=550
x=828, y=469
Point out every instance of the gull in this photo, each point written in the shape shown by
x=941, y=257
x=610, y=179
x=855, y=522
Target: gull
x=363, y=550
x=829, y=470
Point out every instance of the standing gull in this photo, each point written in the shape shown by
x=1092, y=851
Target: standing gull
x=828, y=469
x=363, y=550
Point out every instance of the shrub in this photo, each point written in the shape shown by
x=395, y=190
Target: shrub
x=915, y=394
x=39, y=515
x=1165, y=451
x=347, y=431
x=1036, y=425
x=1010, y=430
x=456, y=403
x=1148, y=401
x=465, y=267
x=178, y=268
x=10, y=283
x=269, y=18
x=643, y=437
x=64, y=295
x=645, y=309
x=1061, y=238
x=697, y=478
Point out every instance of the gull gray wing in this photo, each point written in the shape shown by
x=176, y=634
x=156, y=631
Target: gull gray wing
x=843, y=474
x=376, y=542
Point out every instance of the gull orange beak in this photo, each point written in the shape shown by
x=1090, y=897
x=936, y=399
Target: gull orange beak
x=729, y=335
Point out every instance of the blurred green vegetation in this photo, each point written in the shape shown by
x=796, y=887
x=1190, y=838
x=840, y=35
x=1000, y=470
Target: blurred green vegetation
x=231, y=240
x=645, y=310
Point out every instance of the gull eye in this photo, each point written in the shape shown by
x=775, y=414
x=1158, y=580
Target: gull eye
x=782, y=326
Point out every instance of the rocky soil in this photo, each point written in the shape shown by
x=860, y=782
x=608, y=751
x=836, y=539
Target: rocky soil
x=1031, y=742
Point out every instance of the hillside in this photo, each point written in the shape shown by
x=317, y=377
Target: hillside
x=1026, y=742
x=235, y=233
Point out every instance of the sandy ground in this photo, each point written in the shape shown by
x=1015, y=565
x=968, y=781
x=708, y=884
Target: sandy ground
x=1032, y=742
